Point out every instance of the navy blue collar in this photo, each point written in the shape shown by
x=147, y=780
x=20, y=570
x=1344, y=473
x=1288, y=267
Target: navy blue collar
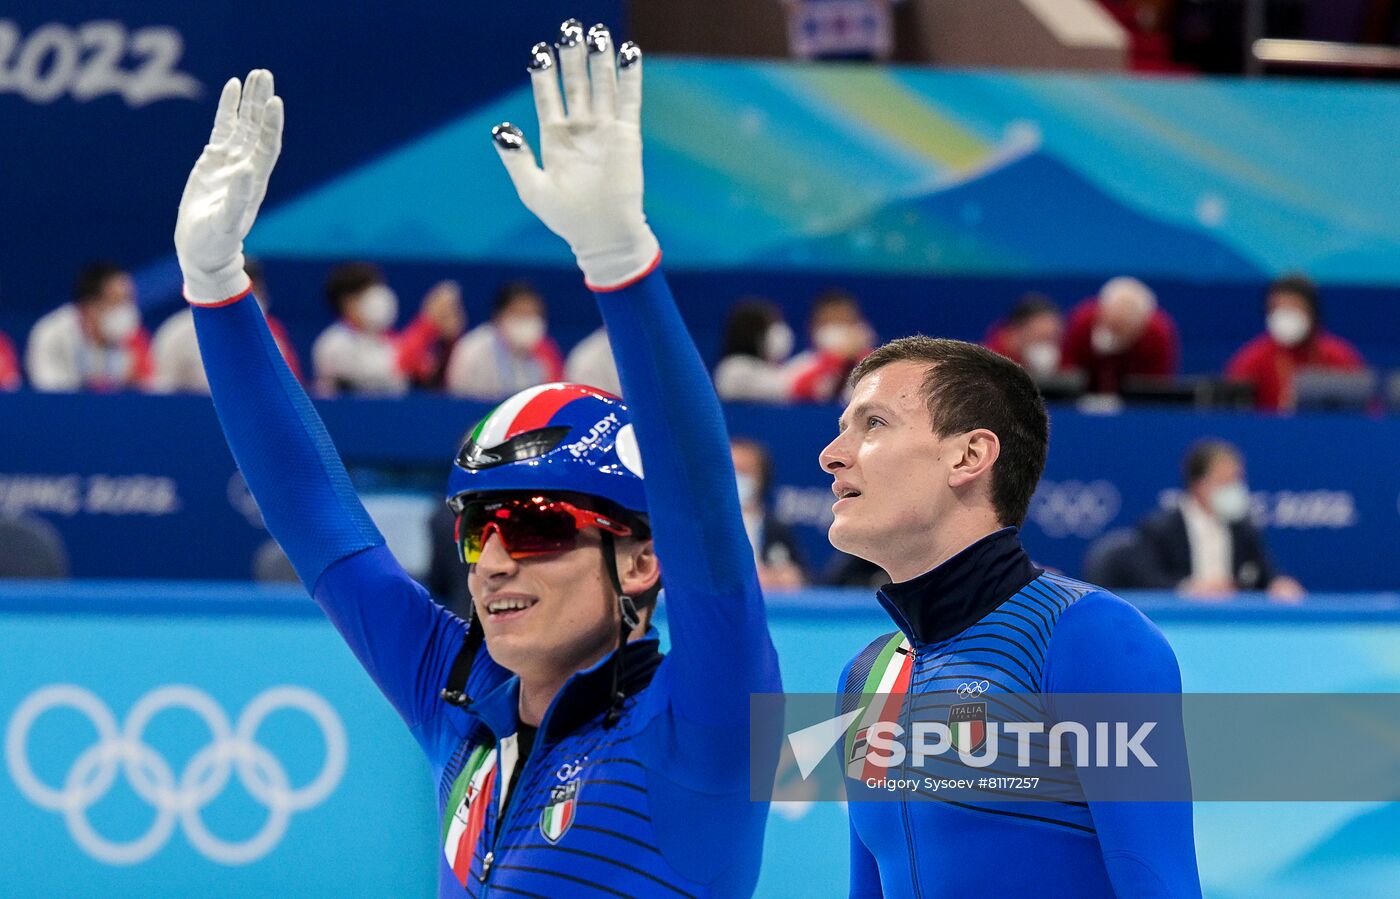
x=584, y=696
x=944, y=602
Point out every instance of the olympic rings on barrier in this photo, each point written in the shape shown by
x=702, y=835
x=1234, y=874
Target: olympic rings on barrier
x=233, y=749
x=1075, y=508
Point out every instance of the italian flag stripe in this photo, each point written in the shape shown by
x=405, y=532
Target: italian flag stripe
x=540, y=409
x=493, y=428
x=877, y=670
x=462, y=825
x=891, y=694
x=557, y=818
x=481, y=426
x=884, y=689
x=476, y=823
x=529, y=409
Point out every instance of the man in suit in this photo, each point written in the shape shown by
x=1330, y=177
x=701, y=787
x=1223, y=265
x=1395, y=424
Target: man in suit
x=781, y=565
x=1207, y=547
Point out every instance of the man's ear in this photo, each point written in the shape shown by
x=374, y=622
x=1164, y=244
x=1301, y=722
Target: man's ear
x=637, y=566
x=976, y=451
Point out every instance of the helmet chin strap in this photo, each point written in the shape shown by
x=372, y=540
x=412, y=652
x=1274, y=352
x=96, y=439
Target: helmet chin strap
x=629, y=619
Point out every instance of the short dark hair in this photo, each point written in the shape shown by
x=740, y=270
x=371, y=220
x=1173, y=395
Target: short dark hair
x=832, y=296
x=1202, y=454
x=1301, y=286
x=93, y=277
x=1030, y=306
x=968, y=386
x=507, y=293
x=765, y=461
x=346, y=280
x=748, y=323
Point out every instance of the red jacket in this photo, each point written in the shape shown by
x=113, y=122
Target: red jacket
x=142, y=367
x=819, y=376
x=1270, y=366
x=998, y=342
x=1155, y=353
x=9, y=365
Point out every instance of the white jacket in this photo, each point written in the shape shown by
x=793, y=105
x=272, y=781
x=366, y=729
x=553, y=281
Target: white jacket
x=345, y=358
x=60, y=357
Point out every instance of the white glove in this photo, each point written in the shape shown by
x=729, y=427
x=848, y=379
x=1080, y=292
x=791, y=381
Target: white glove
x=226, y=188
x=589, y=191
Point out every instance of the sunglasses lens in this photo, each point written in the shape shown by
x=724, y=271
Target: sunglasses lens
x=527, y=527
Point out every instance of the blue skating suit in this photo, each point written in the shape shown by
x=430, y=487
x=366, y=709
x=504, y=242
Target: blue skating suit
x=657, y=805
x=989, y=615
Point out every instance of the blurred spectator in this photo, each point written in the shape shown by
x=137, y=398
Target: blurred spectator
x=591, y=363
x=360, y=353
x=840, y=29
x=447, y=576
x=508, y=353
x=95, y=342
x=841, y=337
x=430, y=350
x=9, y=365
x=1293, y=339
x=1148, y=25
x=780, y=563
x=1207, y=547
x=175, y=349
x=1030, y=335
x=756, y=343
x=1121, y=333
x=31, y=548
x=849, y=571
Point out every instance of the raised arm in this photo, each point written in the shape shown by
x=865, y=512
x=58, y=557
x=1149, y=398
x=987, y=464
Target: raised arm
x=589, y=191
x=405, y=641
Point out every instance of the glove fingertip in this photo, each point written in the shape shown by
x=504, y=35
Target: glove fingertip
x=508, y=137
x=273, y=115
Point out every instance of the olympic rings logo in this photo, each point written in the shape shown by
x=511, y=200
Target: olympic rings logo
x=974, y=688
x=1074, y=508
x=233, y=749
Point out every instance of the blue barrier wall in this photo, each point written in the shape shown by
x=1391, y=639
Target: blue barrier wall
x=132, y=499
x=164, y=737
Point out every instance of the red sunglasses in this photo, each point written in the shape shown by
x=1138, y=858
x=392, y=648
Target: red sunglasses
x=528, y=526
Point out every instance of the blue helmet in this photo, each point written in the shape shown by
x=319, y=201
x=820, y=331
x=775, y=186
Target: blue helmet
x=554, y=438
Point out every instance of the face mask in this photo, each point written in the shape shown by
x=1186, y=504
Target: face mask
x=777, y=342
x=748, y=488
x=523, y=332
x=1288, y=326
x=1105, y=341
x=1230, y=503
x=379, y=308
x=118, y=324
x=1042, y=358
x=834, y=338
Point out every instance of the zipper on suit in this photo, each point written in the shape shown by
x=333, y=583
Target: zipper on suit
x=513, y=802
x=904, y=801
